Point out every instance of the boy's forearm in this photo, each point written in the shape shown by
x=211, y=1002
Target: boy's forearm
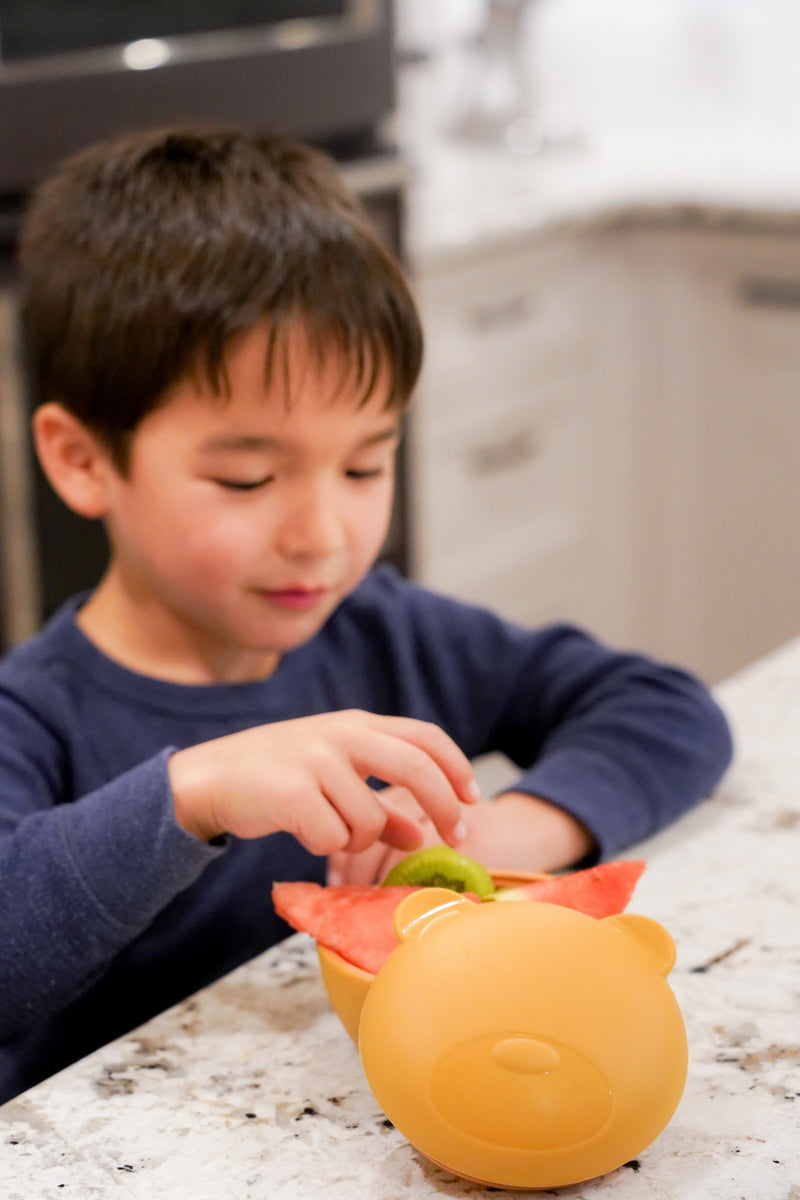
x=629, y=746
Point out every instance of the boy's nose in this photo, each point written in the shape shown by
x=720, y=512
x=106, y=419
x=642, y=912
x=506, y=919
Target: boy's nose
x=314, y=529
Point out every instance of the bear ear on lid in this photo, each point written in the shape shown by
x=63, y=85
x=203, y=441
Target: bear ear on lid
x=650, y=937
x=416, y=912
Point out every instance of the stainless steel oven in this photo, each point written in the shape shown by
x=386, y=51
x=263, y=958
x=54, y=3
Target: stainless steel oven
x=72, y=71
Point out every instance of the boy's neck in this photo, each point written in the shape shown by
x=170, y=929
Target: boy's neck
x=150, y=642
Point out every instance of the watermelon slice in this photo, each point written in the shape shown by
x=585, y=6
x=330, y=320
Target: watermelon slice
x=599, y=891
x=355, y=920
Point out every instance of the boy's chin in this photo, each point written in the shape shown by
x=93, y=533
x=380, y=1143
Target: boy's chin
x=283, y=641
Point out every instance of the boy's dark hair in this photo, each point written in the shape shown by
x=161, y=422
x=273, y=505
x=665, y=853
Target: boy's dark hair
x=143, y=256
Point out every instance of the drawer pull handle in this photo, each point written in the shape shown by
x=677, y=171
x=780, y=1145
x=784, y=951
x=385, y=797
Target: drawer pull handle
x=506, y=310
x=770, y=293
x=504, y=455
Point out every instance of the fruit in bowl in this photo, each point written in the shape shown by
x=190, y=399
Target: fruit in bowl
x=353, y=924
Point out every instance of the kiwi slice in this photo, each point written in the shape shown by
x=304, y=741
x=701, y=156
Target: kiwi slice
x=442, y=866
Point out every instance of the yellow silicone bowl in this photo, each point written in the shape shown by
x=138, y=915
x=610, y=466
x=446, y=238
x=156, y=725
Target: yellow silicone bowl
x=347, y=986
x=518, y=1045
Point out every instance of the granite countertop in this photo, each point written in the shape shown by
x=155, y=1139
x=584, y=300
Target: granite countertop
x=465, y=197
x=251, y=1090
x=661, y=123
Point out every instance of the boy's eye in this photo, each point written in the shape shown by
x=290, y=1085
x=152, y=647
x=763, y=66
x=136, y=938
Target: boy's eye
x=372, y=473
x=243, y=485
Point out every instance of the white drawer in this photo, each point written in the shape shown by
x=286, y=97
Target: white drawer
x=480, y=385
x=511, y=475
x=512, y=313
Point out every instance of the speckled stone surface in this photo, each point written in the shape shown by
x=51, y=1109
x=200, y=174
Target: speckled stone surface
x=689, y=172
x=252, y=1091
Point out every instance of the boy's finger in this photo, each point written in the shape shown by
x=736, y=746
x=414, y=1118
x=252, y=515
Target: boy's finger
x=440, y=747
x=399, y=761
x=400, y=831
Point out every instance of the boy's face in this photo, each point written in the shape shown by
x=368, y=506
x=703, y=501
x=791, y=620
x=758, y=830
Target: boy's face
x=244, y=521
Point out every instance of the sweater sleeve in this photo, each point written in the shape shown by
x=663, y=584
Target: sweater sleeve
x=624, y=743
x=635, y=744
x=78, y=881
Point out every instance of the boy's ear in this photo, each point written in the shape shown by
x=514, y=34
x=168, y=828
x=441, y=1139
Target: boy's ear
x=74, y=461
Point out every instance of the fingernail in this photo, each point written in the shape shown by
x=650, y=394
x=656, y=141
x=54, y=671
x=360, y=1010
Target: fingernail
x=335, y=878
x=474, y=791
x=458, y=834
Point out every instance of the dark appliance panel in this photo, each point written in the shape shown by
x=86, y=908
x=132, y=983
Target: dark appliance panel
x=320, y=69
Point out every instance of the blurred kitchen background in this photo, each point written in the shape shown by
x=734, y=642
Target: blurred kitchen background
x=599, y=204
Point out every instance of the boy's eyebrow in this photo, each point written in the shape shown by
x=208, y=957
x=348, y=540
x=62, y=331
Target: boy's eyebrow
x=254, y=442
x=239, y=441
x=384, y=435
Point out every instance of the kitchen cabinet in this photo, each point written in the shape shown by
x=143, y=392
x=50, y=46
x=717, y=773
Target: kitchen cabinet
x=715, y=322
x=608, y=431
x=517, y=481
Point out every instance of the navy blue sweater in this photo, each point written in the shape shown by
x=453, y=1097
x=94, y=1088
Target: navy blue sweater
x=110, y=912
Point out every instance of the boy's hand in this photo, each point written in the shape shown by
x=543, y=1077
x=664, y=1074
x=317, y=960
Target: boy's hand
x=373, y=864
x=516, y=831
x=307, y=777
x=525, y=833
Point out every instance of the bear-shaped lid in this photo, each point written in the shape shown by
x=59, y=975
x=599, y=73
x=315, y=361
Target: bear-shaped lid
x=524, y=1044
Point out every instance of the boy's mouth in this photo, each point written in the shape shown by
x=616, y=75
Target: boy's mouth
x=296, y=597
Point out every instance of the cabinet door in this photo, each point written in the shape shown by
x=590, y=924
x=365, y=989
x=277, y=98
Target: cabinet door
x=519, y=475
x=499, y=323
x=502, y=503
x=721, y=447
x=747, y=454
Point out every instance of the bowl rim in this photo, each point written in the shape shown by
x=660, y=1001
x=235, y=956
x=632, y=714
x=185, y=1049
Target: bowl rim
x=508, y=877
x=339, y=960
x=501, y=877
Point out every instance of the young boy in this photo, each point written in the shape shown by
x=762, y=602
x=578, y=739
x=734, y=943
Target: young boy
x=224, y=351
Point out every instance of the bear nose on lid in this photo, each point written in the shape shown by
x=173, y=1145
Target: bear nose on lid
x=525, y=1054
